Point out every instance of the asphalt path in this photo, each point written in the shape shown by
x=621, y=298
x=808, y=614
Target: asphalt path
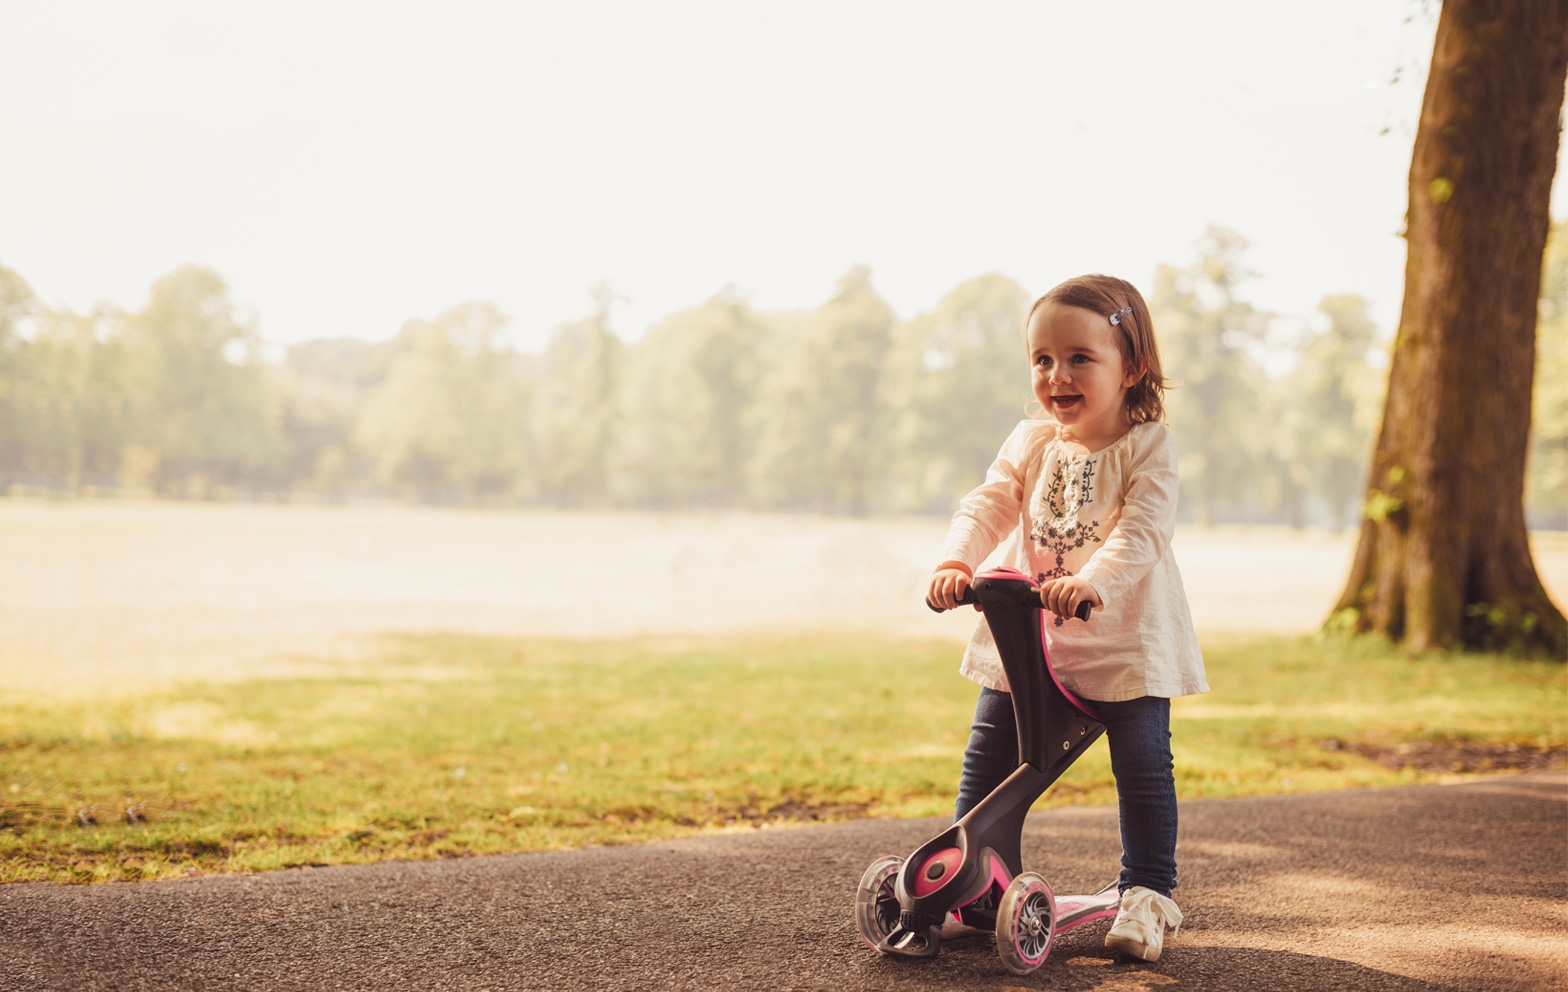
x=1452, y=887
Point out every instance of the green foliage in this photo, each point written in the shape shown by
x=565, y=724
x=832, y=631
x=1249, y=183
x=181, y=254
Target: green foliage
x=579, y=408
x=1325, y=411
x=958, y=381
x=175, y=399
x=468, y=745
x=1208, y=337
x=453, y=411
x=1379, y=507
x=207, y=408
x=326, y=382
x=840, y=409
x=65, y=409
x=1502, y=627
x=17, y=304
x=1546, y=485
x=69, y=402
x=692, y=410
x=819, y=449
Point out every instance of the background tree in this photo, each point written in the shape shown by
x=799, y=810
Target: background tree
x=1207, y=338
x=1324, y=411
x=1546, y=489
x=1444, y=559
x=818, y=449
x=452, y=415
x=17, y=305
x=207, y=408
x=578, y=407
x=958, y=381
x=691, y=394
x=838, y=409
x=69, y=399
x=326, y=383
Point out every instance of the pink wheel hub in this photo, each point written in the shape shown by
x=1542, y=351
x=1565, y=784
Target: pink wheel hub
x=936, y=870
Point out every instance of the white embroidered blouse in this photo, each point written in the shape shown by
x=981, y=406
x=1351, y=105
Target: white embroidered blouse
x=1108, y=518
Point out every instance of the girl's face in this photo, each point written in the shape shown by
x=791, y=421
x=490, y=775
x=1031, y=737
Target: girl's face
x=1079, y=375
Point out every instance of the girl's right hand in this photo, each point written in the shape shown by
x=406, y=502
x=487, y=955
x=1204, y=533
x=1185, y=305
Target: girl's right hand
x=948, y=585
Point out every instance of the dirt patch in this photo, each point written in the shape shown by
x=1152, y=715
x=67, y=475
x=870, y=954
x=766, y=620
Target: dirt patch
x=799, y=812
x=1457, y=756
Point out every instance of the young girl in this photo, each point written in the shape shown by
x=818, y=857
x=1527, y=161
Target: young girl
x=1092, y=497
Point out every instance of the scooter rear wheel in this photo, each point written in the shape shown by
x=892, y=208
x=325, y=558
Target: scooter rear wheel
x=1025, y=923
x=876, y=900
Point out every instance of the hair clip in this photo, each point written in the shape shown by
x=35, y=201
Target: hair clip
x=1116, y=318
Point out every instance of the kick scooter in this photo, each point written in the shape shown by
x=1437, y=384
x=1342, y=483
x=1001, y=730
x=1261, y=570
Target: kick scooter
x=973, y=870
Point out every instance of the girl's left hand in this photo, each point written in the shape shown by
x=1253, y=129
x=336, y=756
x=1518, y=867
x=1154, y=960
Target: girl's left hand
x=1062, y=596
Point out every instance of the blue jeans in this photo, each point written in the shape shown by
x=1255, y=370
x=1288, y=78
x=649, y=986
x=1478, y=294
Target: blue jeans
x=1139, y=731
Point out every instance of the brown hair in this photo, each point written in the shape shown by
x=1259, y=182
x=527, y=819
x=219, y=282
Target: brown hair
x=1105, y=295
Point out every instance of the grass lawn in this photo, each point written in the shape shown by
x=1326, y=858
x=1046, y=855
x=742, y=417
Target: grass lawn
x=464, y=745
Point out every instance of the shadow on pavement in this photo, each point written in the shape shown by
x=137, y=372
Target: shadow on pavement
x=1088, y=969
x=1458, y=887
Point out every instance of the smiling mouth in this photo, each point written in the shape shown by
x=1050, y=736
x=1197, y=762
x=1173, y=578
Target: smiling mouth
x=1066, y=401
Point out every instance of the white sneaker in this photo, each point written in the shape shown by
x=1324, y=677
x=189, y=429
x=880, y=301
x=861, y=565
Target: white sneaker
x=1140, y=924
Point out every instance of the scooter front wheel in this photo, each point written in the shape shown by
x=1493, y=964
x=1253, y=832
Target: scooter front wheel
x=1025, y=923
x=876, y=900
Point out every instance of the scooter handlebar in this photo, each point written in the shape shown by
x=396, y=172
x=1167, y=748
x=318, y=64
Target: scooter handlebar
x=1082, y=613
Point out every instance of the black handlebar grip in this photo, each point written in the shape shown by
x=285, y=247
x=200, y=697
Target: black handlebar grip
x=1082, y=613
x=968, y=599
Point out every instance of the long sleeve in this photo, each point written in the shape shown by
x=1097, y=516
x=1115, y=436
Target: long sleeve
x=1142, y=537
x=993, y=509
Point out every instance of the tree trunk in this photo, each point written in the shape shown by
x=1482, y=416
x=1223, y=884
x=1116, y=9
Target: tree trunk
x=1444, y=560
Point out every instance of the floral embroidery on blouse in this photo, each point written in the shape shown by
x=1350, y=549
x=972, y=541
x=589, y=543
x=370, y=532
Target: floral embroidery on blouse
x=1058, y=499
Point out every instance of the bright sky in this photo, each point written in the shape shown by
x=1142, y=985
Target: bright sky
x=348, y=166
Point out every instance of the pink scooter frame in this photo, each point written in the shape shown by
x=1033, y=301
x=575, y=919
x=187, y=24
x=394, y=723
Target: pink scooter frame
x=973, y=870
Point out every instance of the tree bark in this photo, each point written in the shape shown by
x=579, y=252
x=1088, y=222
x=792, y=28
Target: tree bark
x=1444, y=559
